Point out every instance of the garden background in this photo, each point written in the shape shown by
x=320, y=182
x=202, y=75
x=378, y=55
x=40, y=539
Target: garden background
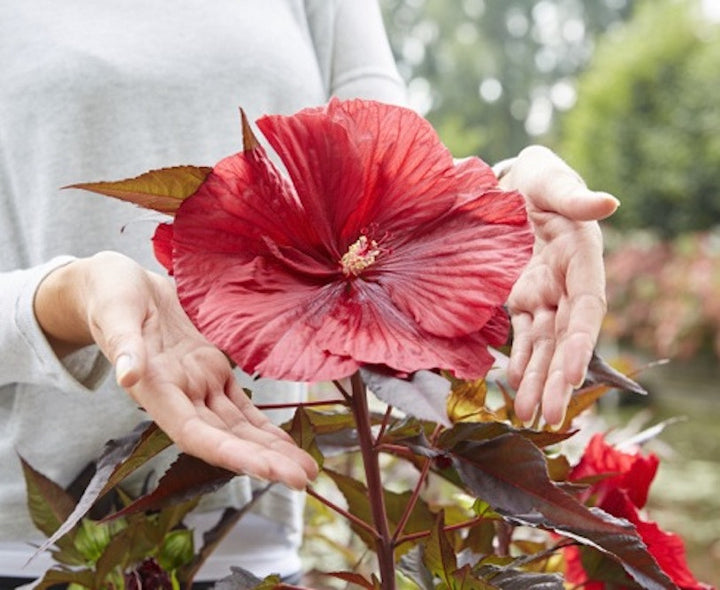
x=628, y=92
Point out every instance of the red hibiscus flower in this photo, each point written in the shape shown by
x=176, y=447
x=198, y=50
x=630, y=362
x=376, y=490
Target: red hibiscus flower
x=622, y=493
x=378, y=248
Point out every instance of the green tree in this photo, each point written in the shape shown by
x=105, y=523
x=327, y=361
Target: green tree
x=491, y=74
x=647, y=122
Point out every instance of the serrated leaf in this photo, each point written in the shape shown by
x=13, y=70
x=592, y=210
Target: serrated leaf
x=510, y=473
x=187, y=478
x=303, y=433
x=162, y=190
x=119, y=459
x=48, y=503
x=424, y=395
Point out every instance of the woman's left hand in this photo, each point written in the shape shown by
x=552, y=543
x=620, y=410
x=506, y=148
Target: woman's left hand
x=558, y=303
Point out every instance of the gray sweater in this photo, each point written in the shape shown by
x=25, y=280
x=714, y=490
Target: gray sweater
x=100, y=90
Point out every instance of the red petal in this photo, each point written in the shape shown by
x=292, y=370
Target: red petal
x=630, y=472
x=459, y=260
x=162, y=245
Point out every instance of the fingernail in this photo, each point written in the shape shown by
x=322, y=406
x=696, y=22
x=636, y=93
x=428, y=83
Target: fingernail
x=531, y=422
x=556, y=426
x=123, y=365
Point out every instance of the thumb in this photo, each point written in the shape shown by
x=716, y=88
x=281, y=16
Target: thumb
x=550, y=184
x=118, y=333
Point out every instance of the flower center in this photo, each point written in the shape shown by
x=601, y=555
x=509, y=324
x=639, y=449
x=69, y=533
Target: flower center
x=359, y=256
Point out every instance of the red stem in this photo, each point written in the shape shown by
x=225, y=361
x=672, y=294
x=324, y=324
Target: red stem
x=411, y=504
x=452, y=527
x=341, y=511
x=384, y=543
x=330, y=402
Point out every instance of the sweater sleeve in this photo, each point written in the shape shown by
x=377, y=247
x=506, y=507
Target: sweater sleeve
x=353, y=50
x=27, y=355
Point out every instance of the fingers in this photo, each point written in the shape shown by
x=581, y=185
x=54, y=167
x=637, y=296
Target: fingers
x=549, y=184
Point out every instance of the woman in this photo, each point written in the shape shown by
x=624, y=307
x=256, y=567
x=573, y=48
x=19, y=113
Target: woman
x=95, y=90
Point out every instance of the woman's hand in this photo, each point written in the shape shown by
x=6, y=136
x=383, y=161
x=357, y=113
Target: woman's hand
x=184, y=383
x=558, y=303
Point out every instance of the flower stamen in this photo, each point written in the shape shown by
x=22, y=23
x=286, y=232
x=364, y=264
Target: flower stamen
x=359, y=256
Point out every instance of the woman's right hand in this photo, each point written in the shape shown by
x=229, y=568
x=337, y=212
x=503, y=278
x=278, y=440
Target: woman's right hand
x=184, y=383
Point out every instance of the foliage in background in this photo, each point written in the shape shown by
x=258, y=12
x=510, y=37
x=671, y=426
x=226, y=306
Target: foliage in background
x=491, y=75
x=663, y=296
x=647, y=126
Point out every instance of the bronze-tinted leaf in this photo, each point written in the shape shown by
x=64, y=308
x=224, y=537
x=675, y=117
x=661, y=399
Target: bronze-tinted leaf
x=162, y=190
x=438, y=554
x=303, y=433
x=48, y=503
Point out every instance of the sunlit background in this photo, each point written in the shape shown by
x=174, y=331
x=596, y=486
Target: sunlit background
x=629, y=93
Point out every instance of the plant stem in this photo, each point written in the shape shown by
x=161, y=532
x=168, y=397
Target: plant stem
x=329, y=402
x=384, y=544
x=344, y=513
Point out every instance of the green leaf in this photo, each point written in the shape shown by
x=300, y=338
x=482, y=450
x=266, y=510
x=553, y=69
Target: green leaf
x=438, y=554
x=177, y=550
x=120, y=458
x=465, y=579
x=130, y=545
x=303, y=433
x=92, y=539
x=424, y=395
x=187, y=478
x=510, y=473
x=162, y=190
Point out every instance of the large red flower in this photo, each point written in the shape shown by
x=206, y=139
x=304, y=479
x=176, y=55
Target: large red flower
x=622, y=492
x=378, y=249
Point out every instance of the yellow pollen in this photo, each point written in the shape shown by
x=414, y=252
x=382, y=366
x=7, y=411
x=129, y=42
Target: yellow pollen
x=359, y=256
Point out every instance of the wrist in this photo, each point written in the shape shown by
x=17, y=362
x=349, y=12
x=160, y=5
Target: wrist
x=60, y=310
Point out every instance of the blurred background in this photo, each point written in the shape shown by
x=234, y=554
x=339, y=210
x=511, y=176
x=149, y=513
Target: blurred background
x=628, y=92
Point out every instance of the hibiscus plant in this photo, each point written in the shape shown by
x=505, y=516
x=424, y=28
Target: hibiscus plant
x=378, y=264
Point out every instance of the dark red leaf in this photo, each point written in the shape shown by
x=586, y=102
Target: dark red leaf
x=187, y=478
x=510, y=474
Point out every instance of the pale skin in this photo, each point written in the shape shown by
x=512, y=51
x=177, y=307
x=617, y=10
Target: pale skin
x=187, y=386
x=558, y=303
